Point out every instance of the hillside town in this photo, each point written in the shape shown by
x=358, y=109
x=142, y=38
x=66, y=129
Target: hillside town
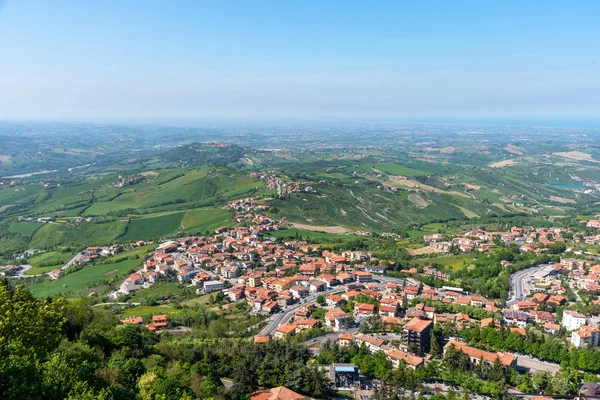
x=301, y=288
x=414, y=316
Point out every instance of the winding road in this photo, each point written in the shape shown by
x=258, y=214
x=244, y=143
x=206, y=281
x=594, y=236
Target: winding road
x=21, y=273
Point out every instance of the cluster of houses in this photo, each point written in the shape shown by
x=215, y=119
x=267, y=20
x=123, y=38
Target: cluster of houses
x=158, y=323
x=250, y=204
x=10, y=270
x=283, y=187
x=391, y=304
x=248, y=266
x=535, y=240
x=549, y=293
x=594, y=223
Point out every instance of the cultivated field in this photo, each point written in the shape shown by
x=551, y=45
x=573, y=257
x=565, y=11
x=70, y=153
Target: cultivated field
x=504, y=163
x=325, y=229
x=576, y=155
x=412, y=184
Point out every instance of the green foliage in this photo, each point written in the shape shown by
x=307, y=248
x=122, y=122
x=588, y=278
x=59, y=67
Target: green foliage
x=152, y=228
x=538, y=344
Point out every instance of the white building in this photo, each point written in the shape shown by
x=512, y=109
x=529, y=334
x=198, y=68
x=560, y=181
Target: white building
x=586, y=336
x=572, y=320
x=212, y=286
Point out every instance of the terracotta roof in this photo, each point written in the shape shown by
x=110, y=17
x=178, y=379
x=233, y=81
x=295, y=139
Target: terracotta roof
x=505, y=359
x=132, y=320
x=278, y=393
x=286, y=328
x=408, y=358
x=520, y=331
x=261, y=339
x=365, y=307
x=417, y=324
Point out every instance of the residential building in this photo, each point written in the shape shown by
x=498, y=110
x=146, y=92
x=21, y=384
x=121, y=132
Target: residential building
x=285, y=330
x=572, y=320
x=586, y=336
x=417, y=333
x=476, y=355
x=212, y=286
x=278, y=393
x=396, y=356
x=337, y=320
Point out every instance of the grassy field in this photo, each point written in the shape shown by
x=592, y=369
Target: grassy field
x=24, y=228
x=195, y=188
x=47, y=262
x=84, y=234
x=394, y=169
x=158, y=291
x=304, y=234
x=202, y=220
x=73, y=284
x=367, y=207
x=153, y=227
x=139, y=311
x=447, y=260
x=197, y=301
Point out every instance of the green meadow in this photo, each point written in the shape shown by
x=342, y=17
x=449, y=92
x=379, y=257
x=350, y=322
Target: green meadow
x=75, y=283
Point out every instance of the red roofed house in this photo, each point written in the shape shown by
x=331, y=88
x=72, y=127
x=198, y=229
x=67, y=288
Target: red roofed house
x=412, y=361
x=476, y=355
x=132, y=320
x=261, y=339
x=364, y=310
x=278, y=393
x=285, y=330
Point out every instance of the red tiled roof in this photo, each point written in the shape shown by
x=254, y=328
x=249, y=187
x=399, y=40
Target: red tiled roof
x=278, y=393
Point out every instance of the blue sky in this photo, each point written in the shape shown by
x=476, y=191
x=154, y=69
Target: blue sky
x=108, y=59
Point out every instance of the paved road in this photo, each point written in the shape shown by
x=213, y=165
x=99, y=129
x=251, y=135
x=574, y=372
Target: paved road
x=518, y=284
x=72, y=261
x=116, y=303
x=533, y=364
x=21, y=273
x=25, y=268
x=287, y=313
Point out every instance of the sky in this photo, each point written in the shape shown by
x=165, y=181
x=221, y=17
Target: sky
x=116, y=59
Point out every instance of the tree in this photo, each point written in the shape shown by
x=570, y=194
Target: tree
x=434, y=347
x=526, y=386
x=316, y=383
x=560, y=384
x=37, y=324
x=539, y=380
x=320, y=299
